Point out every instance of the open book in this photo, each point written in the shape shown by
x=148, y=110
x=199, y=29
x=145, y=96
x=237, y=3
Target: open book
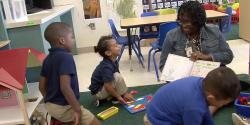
x=177, y=67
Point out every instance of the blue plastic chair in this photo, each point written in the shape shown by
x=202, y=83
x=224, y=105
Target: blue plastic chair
x=150, y=33
x=157, y=45
x=123, y=41
x=227, y=23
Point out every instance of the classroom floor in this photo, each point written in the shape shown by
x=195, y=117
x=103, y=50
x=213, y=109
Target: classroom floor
x=87, y=62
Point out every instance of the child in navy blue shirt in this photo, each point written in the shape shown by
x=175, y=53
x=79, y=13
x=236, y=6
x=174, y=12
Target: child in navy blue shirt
x=186, y=101
x=106, y=80
x=58, y=83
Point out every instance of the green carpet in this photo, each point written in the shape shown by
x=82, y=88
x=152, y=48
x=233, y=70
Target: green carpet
x=223, y=117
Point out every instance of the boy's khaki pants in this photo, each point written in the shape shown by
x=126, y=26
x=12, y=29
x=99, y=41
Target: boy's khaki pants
x=66, y=113
x=118, y=84
x=146, y=121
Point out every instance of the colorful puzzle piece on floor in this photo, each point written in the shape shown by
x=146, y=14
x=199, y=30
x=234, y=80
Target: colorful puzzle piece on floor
x=133, y=92
x=138, y=105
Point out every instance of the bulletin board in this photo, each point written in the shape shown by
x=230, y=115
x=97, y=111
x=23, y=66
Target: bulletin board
x=92, y=9
x=161, y=4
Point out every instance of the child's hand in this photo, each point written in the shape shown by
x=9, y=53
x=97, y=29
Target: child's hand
x=129, y=97
x=76, y=118
x=121, y=100
x=213, y=109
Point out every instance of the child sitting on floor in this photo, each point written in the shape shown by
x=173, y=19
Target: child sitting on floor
x=106, y=80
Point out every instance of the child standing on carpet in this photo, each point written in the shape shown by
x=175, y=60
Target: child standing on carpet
x=59, y=83
x=106, y=80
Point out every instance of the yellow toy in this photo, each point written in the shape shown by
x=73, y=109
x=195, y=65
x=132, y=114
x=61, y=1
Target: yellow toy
x=235, y=6
x=222, y=8
x=166, y=11
x=107, y=113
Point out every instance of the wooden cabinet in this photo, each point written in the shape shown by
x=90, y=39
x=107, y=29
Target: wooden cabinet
x=244, y=20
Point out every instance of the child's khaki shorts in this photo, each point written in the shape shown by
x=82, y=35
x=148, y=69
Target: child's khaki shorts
x=146, y=121
x=118, y=84
x=65, y=113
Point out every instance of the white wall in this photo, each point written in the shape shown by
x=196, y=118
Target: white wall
x=85, y=37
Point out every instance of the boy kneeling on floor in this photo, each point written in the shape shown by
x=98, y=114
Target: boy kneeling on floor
x=186, y=101
x=59, y=83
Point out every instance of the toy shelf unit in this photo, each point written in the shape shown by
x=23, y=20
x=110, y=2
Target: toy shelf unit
x=18, y=99
x=21, y=105
x=162, y=4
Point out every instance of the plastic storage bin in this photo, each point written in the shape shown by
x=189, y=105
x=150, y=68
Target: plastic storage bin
x=242, y=110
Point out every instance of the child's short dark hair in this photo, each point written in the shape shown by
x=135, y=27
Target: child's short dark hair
x=56, y=30
x=103, y=46
x=223, y=83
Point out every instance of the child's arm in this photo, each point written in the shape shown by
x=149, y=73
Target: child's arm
x=70, y=96
x=42, y=85
x=110, y=89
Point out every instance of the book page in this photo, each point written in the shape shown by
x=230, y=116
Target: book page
x=176, y=67
x=202, y=68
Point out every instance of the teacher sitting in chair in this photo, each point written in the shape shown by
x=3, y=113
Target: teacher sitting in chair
x=194, y=38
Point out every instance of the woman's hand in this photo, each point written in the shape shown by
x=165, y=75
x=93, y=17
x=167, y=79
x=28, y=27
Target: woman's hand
x=200, y=56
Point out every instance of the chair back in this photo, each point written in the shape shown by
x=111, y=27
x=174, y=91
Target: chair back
x=149, y=14
x=227, y=25
x=150, y=28
x=115, y=33
x=164, y=29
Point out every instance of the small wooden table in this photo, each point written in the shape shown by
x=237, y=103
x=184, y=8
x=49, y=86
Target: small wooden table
x=143, y=21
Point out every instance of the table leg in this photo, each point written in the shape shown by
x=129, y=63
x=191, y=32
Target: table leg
x=220, y=24
x=129, y=48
